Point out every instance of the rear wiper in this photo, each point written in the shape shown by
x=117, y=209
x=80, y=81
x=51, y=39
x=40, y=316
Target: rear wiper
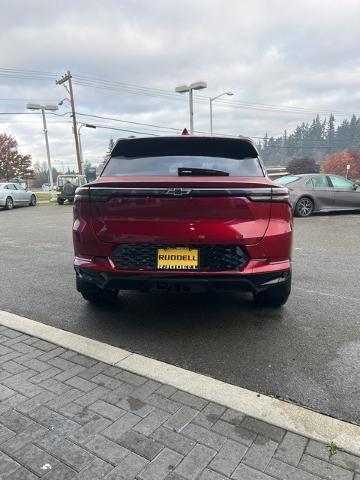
x=192, y=171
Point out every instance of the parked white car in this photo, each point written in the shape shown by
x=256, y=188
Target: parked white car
x=13, y=195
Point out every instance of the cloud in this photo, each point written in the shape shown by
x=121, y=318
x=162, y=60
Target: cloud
x=301, y=54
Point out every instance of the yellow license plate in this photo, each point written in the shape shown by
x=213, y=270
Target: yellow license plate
x=178, y=258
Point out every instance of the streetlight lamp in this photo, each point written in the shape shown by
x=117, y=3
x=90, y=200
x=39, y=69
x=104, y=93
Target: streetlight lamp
x=64, y=100
x=190, y=88
x=51, y=108
x=211, y=111
x=88, y=125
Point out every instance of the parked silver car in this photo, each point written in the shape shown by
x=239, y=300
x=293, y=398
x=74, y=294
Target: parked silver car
x=13, y=195
x=318, y=192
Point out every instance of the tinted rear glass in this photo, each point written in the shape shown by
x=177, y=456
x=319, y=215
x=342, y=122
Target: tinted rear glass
x=168, y=165
x=185, y=145
x=286, y=180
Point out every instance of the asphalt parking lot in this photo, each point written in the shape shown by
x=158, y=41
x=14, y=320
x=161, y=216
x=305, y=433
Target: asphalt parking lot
x=307, y=352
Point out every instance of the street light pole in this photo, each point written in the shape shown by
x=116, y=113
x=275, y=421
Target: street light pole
x=36, y=106
x=88, y=125
x=211, y=109
x=190, y=88
x=47, y=149
x=191, y=110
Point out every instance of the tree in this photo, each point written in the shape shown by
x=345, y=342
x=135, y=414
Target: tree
x=356, y=156
x=315, y=139
x=337, y=162
x=89, y=171
x=302, y=165
x=330, y=134
x=41, y=174
x=12, y=163
x=109, y=149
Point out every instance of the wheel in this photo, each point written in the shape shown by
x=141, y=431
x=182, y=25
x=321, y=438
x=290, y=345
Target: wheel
x=9, y=203
x=32, y=201
x=274, y=296
x=94, y=294
x=304, y=207
x=60, y=201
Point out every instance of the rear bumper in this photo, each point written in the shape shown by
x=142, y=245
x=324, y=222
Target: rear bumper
x=184, y=281
x=65, y=197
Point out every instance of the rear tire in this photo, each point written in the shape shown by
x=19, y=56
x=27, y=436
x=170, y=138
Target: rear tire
x=304, y=207
x=9, y=203
x=32, y=201
x=274, y=296
x=60, y=201
x=94, y=294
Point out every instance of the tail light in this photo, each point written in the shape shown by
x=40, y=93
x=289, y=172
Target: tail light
x=280, y=194
x=82, y=194
x=277, y=194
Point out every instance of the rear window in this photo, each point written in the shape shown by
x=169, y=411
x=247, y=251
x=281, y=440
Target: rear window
x=286, y=180
x=171, y=165
x=184, y=155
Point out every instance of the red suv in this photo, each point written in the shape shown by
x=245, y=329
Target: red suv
x=183, y=213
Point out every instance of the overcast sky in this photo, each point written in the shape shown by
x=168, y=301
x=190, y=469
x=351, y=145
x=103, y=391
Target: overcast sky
x=297, y=57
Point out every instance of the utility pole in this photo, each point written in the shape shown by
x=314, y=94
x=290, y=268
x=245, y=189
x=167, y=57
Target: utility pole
x=67, y=78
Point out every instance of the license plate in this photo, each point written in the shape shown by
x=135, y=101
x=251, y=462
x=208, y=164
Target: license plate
x=178, y=258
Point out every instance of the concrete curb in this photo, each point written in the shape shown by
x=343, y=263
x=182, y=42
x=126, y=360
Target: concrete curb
x=282, y=414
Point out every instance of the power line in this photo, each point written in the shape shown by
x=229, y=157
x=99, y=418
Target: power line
x=20, y=113
x=289, y=108
x=313, y=142
x=130, y=122
x=27, y=71
x=25, y=100
x=126, y=130
x=135, y=89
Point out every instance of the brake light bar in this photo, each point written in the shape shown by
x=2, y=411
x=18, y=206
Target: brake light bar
x=103, y=194
x=280, y=194
x=277, y=194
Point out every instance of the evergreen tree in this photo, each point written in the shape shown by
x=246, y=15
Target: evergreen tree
x=110, y=147
x=330, y=134
x=316, y=140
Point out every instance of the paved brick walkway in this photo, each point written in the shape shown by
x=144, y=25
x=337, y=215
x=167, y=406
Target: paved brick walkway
x=65, y=416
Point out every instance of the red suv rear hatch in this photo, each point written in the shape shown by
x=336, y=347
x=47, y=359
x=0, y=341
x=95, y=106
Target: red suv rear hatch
x=153, y=191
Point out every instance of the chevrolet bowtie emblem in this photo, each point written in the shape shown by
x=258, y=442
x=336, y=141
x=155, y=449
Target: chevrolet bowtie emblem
x=178, y=192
